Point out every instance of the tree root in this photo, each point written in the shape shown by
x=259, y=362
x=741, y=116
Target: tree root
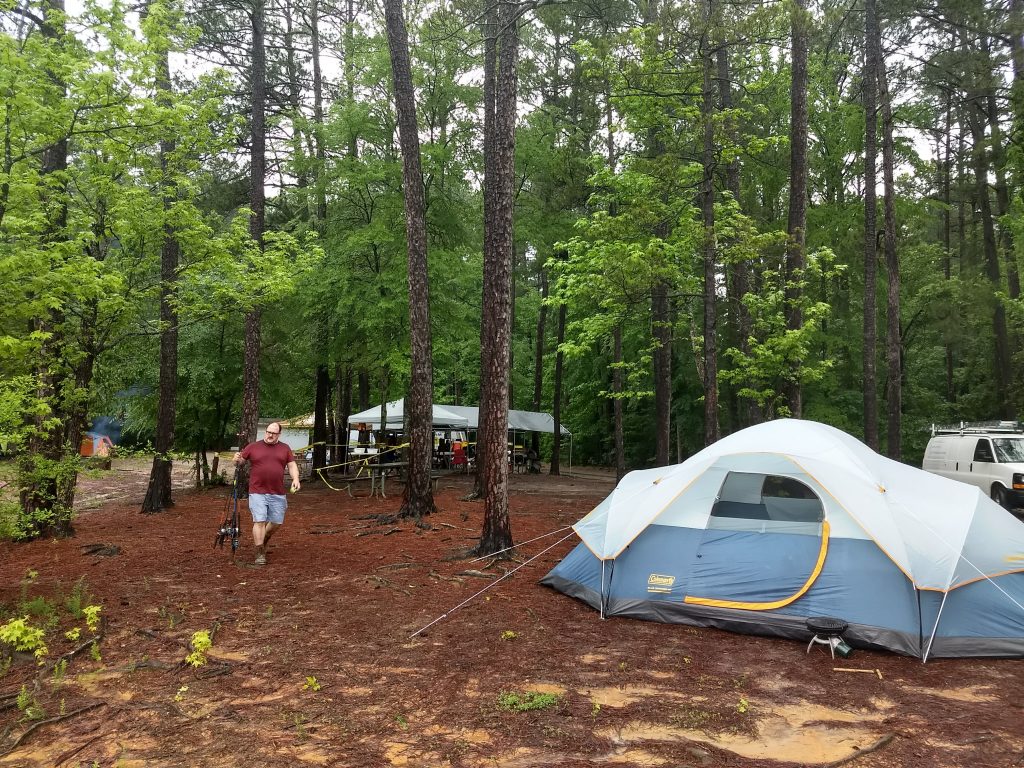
x=74, y=652
x=72, y=752
x=861, y=752
x=32, y=728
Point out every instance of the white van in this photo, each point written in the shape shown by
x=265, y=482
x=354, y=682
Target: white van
x=989, y=455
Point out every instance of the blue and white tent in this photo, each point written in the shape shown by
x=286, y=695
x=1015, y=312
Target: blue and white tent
x=791, y=519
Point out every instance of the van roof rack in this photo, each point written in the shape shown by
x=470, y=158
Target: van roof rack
x=976, y=427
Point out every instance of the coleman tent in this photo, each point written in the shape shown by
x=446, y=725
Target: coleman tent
x=794, y=519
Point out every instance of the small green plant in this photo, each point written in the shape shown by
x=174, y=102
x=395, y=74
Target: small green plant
x=694, y=718
x=508, y=634
x=31, y=575
x=73, y=634
x=526, y=701
x=400, y=719
x=180, y=695
x=623, y=666
x=92, y=617
x=40, y=608
x=743, y=706
x=78, y=599
x=311, y=684
x=24, y=637
x=94, y=652
x=28, y=705
x=200, y=644
x=269, y=612
x=169, y=615
x=595, y=709
x=300, y=726
x=59, y=670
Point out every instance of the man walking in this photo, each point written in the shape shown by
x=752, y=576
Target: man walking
x=269, y=458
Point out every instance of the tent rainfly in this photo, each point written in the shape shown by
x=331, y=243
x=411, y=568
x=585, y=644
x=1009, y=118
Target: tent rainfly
x=792, y=519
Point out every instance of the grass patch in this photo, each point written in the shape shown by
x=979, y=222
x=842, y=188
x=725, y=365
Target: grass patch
x=526, y=701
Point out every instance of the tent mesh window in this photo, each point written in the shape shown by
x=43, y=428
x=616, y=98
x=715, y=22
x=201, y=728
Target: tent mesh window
x=751, y=501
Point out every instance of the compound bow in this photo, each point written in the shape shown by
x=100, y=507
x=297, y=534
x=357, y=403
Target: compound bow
x=229, y=528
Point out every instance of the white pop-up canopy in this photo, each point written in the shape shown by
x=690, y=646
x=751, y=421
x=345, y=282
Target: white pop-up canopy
x=442, y=417
x=459, y=417
x=518, y=421
x=462, y=417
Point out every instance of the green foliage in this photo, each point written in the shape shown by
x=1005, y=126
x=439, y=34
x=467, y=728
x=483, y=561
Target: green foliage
x=777, y=354
x=200, y=644
x=59, y=670
x=78, y=599
x=526, y=701
x=311, y=684
x=22, y=636
x=29, y=705
x=92, y=617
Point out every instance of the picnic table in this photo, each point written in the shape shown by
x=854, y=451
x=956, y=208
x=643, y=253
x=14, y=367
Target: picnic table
x=380, y=472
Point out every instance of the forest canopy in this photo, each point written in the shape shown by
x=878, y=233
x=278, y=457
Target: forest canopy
x=723, y=214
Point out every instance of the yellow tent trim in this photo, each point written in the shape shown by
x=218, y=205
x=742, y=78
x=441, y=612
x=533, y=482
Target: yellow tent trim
x=822, y=551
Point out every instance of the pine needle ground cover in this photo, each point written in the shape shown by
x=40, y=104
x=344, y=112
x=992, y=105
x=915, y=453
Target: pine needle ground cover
x=197, y=661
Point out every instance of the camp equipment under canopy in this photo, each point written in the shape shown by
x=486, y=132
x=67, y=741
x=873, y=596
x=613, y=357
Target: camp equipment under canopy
x=792, y=519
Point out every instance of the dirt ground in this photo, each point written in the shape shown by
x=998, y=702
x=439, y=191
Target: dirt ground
x=315, y=660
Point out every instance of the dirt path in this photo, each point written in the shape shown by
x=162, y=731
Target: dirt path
x=316, y=661
x=125, y=481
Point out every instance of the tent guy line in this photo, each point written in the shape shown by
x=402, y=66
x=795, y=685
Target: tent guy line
x=473, y=597
x=523, y=543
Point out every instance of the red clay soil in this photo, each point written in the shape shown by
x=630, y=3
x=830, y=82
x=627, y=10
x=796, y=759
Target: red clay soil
x=314, y=659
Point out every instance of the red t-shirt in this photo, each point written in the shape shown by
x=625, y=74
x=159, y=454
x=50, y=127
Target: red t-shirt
x=268, y=465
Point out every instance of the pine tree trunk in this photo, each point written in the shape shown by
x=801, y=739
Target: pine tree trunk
x=738, y=276
x=893, y=339
x=617, y=390
x=490, y=85
x=321, y=406
x=538, y=357
x=797, y=222
x=419, y=496
x=870, y=88
x=707, y=195
x=498, y=218
x=257, y=204
x=556, y=398
x=159, y=492
x=976, y=119
x=661, y=330
x=947, y=235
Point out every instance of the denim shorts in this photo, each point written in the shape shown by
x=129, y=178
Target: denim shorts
x=268, y=507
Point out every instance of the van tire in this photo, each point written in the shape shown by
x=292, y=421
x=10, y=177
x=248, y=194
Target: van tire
x=999, y=496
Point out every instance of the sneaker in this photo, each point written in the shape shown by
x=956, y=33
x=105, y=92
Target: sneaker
x=261, y=559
